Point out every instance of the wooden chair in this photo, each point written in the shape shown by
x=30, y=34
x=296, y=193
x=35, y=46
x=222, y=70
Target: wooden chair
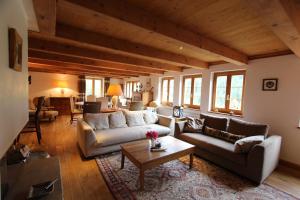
x=91, y=107
x=33, y=125
x=73, y=110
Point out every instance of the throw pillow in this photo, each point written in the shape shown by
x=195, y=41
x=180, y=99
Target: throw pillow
x=150, y=117
x=135, y=118
x=117, y=120
x=244, y=145
x=223, y=135
x=193, y=125
x=97, y=121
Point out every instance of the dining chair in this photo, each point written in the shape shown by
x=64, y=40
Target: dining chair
x=74, y=111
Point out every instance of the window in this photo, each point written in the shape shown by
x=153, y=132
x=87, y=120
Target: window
x=167, y=91
x=93, y=87
x=228, y=92
x=192, y=91
x=132, y=86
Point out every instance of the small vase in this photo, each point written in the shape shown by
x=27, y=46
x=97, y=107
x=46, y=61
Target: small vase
x=153, y=142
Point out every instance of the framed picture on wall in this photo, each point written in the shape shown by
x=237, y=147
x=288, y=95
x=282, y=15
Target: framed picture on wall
x=270, y=84
x=15, y=50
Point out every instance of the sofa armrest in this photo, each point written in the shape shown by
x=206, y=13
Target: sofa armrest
x=263, y=158
x=86, y=136
x=179, y=128
x=167, y=121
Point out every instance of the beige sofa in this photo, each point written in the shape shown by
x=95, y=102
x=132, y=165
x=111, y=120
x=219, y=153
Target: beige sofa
x=97, y=133
x=256, y=165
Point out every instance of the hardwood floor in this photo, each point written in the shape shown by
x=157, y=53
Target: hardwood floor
x=82, y=179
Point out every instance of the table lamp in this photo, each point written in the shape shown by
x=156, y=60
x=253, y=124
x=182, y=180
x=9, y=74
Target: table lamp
x=115, y=91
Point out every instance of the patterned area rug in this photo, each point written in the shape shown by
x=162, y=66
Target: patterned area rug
x=174, y=180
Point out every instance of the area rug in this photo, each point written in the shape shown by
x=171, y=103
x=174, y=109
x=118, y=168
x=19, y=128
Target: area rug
x=174, y=180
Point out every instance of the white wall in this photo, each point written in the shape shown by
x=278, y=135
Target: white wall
x=14, y=86
x=280, y=109
x=47, y=84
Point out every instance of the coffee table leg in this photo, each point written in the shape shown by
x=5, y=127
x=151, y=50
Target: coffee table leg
x=141, y=179
x=191, y=160
x=122, y=161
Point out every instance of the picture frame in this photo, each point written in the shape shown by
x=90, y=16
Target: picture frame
x=15, y=50
x=270, y=84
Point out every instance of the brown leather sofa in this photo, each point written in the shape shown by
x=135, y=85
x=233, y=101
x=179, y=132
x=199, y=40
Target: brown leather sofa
x=256, y=165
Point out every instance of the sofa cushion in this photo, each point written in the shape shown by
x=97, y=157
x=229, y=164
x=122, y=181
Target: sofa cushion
x=117, y=120
x=193, y=125
x=244, y=145
x=97, y=121
x=134, y=118
x=240, y=127
x=219, y=123
x=150, y=117
x=121, y=135
x=216, y=146
x=223, y=135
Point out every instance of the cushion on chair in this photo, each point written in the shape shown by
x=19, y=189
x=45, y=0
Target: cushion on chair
x=121, y=135
x=216, y=146
x=117, y=120
x=134, y=118
x=150, y=117
x=240, y=127
x=97, y=121
x=219, y=123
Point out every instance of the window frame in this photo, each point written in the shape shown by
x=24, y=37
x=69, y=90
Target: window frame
x=167, y=103
x=132, y=88
x=191, y=105
x=229, y=75
x=93, y=87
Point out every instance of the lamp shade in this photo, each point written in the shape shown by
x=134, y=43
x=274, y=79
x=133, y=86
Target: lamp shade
x=114, y=90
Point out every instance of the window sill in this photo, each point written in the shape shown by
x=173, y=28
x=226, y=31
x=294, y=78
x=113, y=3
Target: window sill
x=226, y=114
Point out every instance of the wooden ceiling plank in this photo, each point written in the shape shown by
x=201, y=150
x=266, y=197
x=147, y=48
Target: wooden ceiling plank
x=32, y=69
x=89, y=62
x=124, y=47
x=282, y=17
x=46, y=15
x=70, y=50
x=56, y=65
x=121, y=10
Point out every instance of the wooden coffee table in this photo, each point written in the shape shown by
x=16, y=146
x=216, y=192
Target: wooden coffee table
x=138, y=152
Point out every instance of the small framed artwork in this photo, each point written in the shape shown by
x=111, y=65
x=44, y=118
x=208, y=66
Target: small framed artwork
x=15, y=50
x=270, y=84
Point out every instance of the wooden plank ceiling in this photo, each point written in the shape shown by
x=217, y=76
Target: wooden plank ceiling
x=125, y=38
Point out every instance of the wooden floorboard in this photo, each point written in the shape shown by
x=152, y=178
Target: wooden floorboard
x=82, y=178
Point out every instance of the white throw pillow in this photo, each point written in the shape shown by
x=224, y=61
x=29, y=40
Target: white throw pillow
x=135, y=118
x=117, y=120
x=150, y=117
x=244, y=145
x=97, y=121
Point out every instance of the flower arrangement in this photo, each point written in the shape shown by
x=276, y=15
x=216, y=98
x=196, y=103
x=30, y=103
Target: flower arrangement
x=152, y=135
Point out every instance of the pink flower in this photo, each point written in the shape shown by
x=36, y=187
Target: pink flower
x=152, y=134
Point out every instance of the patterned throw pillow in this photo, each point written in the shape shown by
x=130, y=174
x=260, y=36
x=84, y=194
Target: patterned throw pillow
x=193, y=125
x=244, y=145
x=223, y=135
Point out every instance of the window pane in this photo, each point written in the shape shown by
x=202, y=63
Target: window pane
x=165, y=91
x=171, y=90
x=130, y=89
x=127, y=90
x=197, y=91
x=187, y=91
x=98, y=88
x=236, y=92
x=88, y=87
x=221, y=92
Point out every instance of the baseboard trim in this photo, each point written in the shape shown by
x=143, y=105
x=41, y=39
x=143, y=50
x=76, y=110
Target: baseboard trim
x=289, y=164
